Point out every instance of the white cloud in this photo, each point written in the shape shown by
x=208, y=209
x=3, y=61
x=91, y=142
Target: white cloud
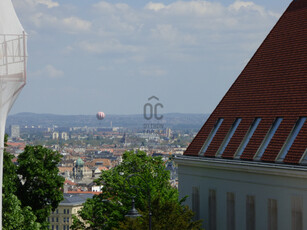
x=152, y=71
x=76, y=23
x=155, y=6
x=48, y=71
x=106, y=46
x=48, y=3
x=102, y=68
x=67, y=25
x=193, y=45
x=117, y=18
x=241, y=5
x=108, y=7
x=192, y=8
x=33, y=3
x=176, y=28
x=52, y=72
x=170, y=34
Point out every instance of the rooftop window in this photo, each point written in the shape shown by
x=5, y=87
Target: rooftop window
x=228, y=137
x=267, y=138
x=247, y=137
x=291, y=138
x=211, y=135
x=303, y=160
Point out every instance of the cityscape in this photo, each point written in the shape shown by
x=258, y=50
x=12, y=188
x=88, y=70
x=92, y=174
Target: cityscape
x=90, y=146
x=133, y=115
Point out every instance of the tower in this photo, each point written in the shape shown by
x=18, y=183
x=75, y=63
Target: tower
x=15, y=131
x=13, y=56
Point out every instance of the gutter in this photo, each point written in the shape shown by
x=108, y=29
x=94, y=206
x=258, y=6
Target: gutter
x=296, y=171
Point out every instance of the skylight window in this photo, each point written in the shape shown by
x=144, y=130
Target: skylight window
x=247, y=137
x=211, y=135
x=303, y=160
x=291, y=138
x=228, y=137
x=267, y=138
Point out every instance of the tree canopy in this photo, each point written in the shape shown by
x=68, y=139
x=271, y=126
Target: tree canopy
x=17, y=217
x=41, y=183
x=14, y=215
x=136, y=176
x=31, y=189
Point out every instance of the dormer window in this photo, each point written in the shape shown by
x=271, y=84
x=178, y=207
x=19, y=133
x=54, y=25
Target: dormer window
x=228, y=137
x=211, y=135
x=247, y=137
x=267, y=138
x=291, y=138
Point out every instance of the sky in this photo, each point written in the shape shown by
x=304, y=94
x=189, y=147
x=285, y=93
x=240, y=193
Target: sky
x=90, y=55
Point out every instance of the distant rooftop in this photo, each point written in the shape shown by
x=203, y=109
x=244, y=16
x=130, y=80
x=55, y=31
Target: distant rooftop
x=76, y=198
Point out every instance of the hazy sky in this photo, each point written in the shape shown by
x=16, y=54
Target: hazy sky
x=91, y=55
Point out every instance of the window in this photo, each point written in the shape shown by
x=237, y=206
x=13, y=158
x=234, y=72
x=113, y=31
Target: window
x=231, y=215
x=64, y=211
x=52, y=219
x=212, y=209
x=64, y=219
x=268, y=138
x=57, y=211
x=228, y=136
x=57, y=227
x=57, y=219
x=247, y=137
x=67, y=211
x=64, y=227
x=297, y=213
x=303, y=159
x=286, y=147
x=250, y=213
x=272, y=214
x=211, y=135
x=52, y=227
x=67, y=219
x=195, y=202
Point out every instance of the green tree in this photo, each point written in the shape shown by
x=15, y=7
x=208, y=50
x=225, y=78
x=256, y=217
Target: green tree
x=41, y=183
x=14, y=216
x=10, y=178
x=169, y=215
x=107, y=210
x=17, y=217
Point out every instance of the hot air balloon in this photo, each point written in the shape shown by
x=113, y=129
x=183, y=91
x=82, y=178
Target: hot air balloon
x=13, y=56
x=100, y=115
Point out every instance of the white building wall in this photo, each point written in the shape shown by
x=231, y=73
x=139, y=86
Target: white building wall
x=260, y=180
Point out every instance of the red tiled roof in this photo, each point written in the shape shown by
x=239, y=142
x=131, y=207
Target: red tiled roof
x=273, y=84
x=16, y=144
x=103, y=161
x=69, y=182
x=65, y=169
x=102, y=168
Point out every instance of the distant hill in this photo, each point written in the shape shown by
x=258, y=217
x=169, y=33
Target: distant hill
x=171, y=120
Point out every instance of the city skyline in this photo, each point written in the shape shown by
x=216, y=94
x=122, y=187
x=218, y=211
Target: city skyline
x=111, y=56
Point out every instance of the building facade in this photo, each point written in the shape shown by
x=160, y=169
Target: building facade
x=61, y=218
x=15, y=131
x=246, y=168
